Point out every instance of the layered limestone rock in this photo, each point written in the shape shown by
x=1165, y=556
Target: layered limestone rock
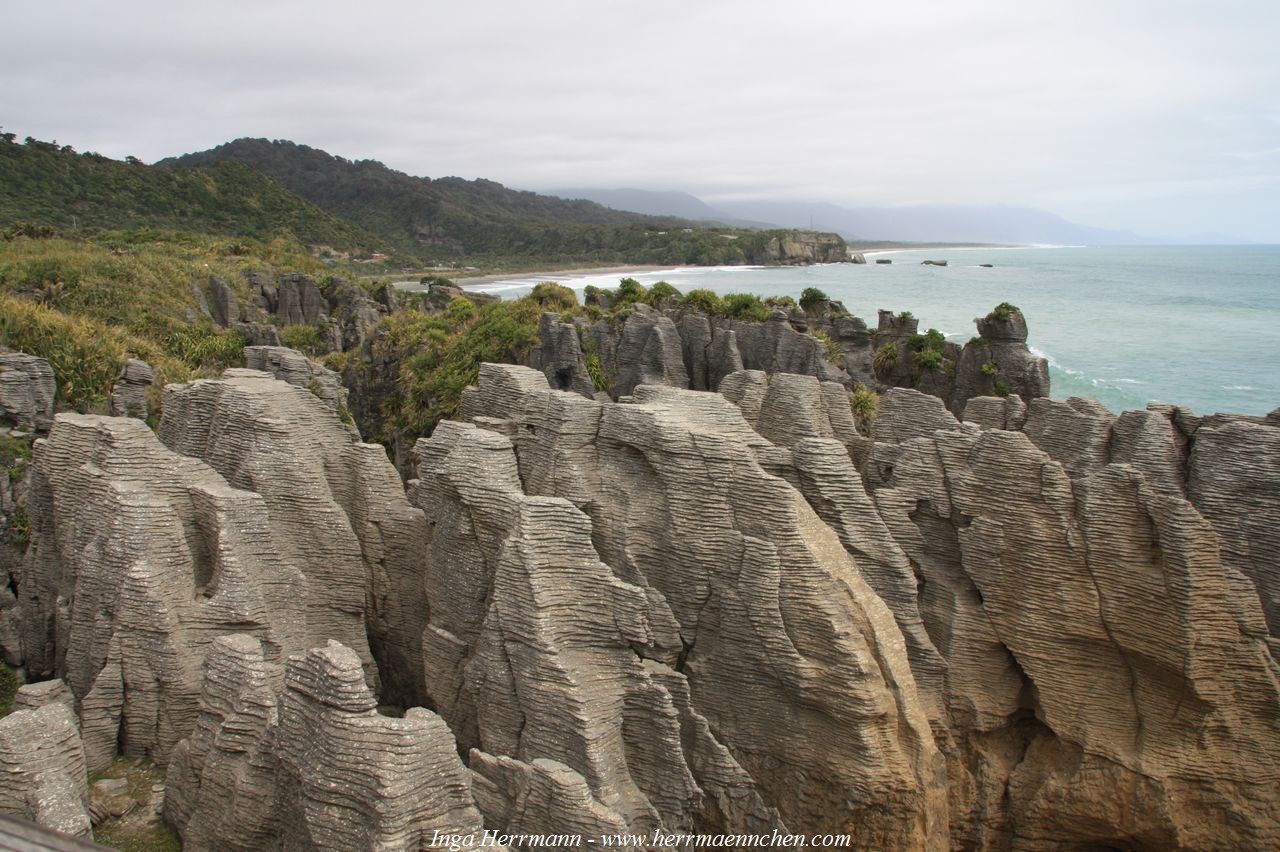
x=1233, y=474
x=42, y=769
x=906, y=414
x=129, y=394
x=140, y=558
x=32, y=696
x=998, y=360
x=801, y=248
x=713, y=569
x=1101, y=608
x=527, y=624
x=1075, y=433
x=27, y=390
x=289, y=365
x=559, y=356
x=338, y=512
x=995, y=412
x=710, y=351
x=309, y=763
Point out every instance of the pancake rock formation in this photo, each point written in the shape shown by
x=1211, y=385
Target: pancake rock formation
x=980, y=622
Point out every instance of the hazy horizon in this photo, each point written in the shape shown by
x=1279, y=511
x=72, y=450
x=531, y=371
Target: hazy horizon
x=1153, y=118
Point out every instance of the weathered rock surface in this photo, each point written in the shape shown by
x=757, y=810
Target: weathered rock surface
x=139, y=559
x=560, y=357
x=906, y=414
x=309, y=763
x=994, y=412
x=129, y=394
x=998, y=360
x=709, y=563
x=32, y=696
x=338, y=512
x=801, y=248
x=289, y=365
x=27, y=390
x=1053, y=598
x=1234, y=471
x=42, y=769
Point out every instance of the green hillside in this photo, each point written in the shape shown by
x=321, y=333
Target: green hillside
x=43, y=183
x=447, y=218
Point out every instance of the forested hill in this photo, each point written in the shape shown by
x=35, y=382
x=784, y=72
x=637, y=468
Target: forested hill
x=445, y=216
x=52, y=185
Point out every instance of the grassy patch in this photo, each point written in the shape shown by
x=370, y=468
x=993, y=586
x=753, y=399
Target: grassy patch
x=865, y=404
x=831, y=348
x=1004, y=310
x=886, y=357
x=140, y=830
x=811, y=296
x=304, y=338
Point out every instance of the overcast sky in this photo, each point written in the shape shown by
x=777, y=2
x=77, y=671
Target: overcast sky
x=1160, y=117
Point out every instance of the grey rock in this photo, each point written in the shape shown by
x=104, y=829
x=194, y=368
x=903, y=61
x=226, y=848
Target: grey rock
x=299, y=301
x=1233, y=473
x=289, y=365
x=42, y=769
x=730, y=566
x=1101, y=607
x=1076, y=433
x=338, y=512
x=129, y=394
x=224, y=307
x=314, y=766
x=906, y=414
x=27, y=390
x=560, y=356
x=994, y=412
x=32, y=696
x=542, y=797
x=139, y=559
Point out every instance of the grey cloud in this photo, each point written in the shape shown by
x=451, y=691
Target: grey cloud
x=1124, y=113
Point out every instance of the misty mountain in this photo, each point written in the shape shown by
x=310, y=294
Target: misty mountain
x=936, y=223
x=658, y=203
x=918, y=224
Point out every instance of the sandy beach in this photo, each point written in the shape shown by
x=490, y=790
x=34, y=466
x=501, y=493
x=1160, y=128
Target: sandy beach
x=476, y=282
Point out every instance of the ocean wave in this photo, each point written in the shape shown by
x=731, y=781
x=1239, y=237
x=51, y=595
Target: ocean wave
x=1238, y=387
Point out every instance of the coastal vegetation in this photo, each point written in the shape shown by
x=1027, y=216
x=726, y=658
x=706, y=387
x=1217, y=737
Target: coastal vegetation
x=88, y=305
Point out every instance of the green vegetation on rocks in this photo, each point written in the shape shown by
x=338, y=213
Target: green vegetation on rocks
x=88, y=305
x=811, y=296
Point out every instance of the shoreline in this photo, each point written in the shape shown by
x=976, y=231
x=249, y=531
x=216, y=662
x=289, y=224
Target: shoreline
x=514, y=280
x=529, y=279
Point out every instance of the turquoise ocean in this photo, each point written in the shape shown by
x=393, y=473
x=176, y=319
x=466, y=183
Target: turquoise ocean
x=1191, y=325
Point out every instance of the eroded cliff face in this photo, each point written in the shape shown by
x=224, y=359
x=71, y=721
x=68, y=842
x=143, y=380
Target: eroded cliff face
x=683, y=348
x=1042, y=627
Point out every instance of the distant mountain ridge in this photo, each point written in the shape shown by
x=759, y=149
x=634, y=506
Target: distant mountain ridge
x=418, y=215
x=54, y=185
x=916, y=223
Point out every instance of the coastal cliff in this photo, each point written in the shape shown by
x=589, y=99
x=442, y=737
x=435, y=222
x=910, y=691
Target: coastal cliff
x=666, y=575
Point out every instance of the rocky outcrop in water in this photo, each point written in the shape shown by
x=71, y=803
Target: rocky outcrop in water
x=801, y=248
